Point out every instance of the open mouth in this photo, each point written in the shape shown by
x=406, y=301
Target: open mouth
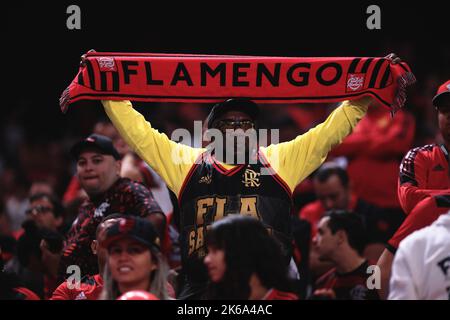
x=124, y=269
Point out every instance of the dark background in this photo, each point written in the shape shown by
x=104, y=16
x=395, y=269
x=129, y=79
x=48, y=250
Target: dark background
x=40, y=55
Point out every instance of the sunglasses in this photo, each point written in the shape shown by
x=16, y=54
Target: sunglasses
x=38, y=210
x=235, y=124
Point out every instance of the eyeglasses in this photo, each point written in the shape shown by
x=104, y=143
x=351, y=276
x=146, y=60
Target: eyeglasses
x=235, y=124
x=38, y=210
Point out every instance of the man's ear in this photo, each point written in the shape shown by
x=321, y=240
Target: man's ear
x=118, y=166
x=94, y=245
x=341, y=236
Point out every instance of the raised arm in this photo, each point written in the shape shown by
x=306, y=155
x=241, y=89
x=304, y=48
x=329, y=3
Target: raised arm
x=296, y=159
x=169, y=159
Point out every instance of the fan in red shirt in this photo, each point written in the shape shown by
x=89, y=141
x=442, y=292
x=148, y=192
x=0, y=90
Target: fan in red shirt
x=341, y=240
x=425, y=170
x=423, y=185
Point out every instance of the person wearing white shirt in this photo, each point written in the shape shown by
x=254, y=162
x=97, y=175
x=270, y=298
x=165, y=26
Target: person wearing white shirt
x=421, y=267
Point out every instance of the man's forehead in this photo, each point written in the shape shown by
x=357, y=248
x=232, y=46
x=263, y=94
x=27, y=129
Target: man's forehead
x=92, y=152
x=41, y=200
x=444, y=108
x=234, y=114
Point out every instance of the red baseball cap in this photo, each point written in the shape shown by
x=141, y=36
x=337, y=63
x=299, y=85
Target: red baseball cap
x=442, y=92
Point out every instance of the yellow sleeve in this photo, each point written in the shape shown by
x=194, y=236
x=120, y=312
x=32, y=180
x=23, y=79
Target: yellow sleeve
x=296, y=159
x=171, y=160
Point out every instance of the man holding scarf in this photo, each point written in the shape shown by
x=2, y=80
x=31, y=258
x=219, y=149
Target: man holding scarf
x=210, y=186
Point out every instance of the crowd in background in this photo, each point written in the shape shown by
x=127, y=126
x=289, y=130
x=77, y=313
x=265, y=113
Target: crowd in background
x=35, y=160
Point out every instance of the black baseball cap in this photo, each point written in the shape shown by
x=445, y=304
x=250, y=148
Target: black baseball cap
x=235, y=104
x=99, y=142
x=133, y=227
x=442, y=93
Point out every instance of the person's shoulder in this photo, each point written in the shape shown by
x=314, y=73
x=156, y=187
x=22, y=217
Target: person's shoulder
x=422, y=149
x=126, y=185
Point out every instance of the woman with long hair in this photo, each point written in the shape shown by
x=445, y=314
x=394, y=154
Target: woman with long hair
x=245, y=262
x=134, y=262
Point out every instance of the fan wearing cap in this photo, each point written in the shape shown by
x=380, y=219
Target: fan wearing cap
x=134, y=261
x=425, y=170
x=424, y=184
x=98, y=169
x=210, y=186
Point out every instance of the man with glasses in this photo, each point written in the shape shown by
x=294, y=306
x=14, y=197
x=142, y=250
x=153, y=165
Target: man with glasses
x=210, y=184
x=46, y=211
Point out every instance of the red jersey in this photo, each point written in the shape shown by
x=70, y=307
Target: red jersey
x=274, y=294
x=90, y=289
x=424, y=214
x=349, y=286
x=424, y=171
x=374, y=151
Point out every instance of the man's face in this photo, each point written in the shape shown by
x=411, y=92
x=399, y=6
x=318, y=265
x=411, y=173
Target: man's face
x=444, y=121
x=234, y=126
x=325, y=243
x=332, y=194
x=97, y=172
x=41, y=211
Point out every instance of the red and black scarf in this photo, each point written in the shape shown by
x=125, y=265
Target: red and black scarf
x=213, y=78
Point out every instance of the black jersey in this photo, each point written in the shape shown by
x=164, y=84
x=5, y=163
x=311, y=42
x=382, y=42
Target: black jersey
x=211, y=192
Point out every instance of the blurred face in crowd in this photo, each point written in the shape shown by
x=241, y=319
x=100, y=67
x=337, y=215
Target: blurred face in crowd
x=325, y=242
x=97, y=172
x=332, y=194
x=215, y=263
x=444, y=120
x=42, y=212
x=239, y=123
x=131, y=264
x=108, y=130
